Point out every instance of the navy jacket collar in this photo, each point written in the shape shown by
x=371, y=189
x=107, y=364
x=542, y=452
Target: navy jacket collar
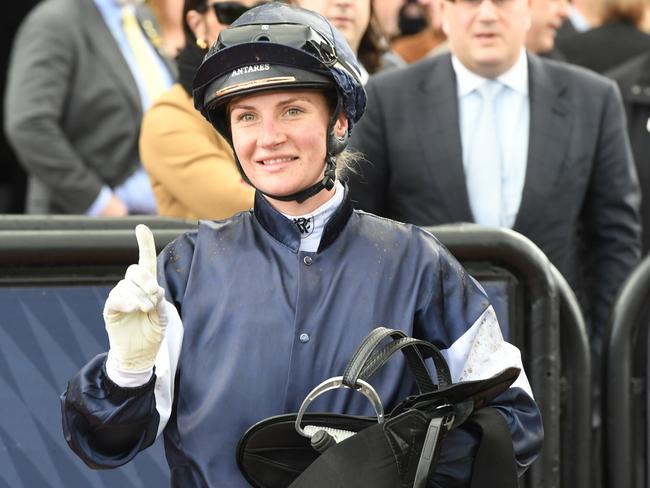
x=285, y=231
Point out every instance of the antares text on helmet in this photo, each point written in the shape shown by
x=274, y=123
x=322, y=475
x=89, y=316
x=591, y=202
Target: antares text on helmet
x=250, y=69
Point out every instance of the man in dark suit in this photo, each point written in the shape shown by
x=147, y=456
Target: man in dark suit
x=75, y=95
x=565, y=173
x=633, y=78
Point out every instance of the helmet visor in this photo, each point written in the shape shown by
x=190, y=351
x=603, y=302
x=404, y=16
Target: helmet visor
x=301, y=37
x=290, y=44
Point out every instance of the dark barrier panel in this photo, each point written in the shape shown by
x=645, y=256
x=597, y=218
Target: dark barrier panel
x=504, y=290
x=46, y=334
x=53, y=284
x=537, y=336
x=626, y=376
x=78, y=222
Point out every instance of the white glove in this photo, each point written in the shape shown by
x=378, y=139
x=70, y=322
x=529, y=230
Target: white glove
x=134, y=312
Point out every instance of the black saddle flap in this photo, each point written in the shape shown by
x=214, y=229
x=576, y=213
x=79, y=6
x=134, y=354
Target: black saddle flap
x=479, y=392
x=273, y=448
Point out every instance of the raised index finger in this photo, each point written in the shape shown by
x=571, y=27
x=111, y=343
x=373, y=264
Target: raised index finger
x=146, y=248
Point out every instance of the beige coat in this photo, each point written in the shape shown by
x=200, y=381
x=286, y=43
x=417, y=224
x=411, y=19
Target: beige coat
x=191, y=167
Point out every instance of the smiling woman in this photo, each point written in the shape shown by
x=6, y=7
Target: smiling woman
x=238, y=320
x=325, y=97
x=279, y=138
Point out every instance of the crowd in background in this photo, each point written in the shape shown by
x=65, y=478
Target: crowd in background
x=601, y=35
x=99, y=120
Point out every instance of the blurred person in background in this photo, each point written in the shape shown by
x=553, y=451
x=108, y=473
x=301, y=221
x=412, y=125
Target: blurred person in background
x=421, y=34
x=82, y=72
x=358, y=23
x=191, y=167
x=169, y=14
x=633, y=78
x=430, y=40
x=618, y=39
x=581, y=17
x=547, y=17
x=644, y=25
x=387, y=13
x=413, y=18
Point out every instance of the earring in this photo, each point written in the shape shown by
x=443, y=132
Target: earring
x=202, y=43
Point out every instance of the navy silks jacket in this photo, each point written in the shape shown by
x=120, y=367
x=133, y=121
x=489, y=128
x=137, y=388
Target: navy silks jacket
x=257, y=323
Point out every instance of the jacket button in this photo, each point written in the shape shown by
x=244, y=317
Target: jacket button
x=304, y=338
x=636, y=90
x=307, y=260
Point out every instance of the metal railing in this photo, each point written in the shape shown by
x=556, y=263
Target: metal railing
x=625, y=385
x=540, y=330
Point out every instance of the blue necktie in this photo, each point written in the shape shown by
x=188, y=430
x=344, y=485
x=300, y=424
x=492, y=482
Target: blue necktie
x=484, y=175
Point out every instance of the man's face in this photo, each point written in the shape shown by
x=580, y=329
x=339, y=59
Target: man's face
x=547, y=17
x=351, y=17
x=431, y=6
x=434, y=9
x=387, y=11
x=486, y=35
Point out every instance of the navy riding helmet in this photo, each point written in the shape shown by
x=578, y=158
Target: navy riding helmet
x=278, y=46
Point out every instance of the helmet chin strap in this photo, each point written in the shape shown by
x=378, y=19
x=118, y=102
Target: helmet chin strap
x=327, y=183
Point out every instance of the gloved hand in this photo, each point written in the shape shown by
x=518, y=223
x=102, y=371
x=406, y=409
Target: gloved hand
x=134, y=313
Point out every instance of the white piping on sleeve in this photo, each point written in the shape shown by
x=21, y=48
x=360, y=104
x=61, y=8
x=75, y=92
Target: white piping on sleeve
x=166, y=365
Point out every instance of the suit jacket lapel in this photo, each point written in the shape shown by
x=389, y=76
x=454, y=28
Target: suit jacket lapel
x=548, y=140
x=443, y=161
x=153, y=32
x=106, y=47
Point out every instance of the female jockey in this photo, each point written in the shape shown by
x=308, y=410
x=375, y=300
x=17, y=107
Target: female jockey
x=239, y=319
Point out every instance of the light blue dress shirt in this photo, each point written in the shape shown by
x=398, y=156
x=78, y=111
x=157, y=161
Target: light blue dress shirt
x=579, y=22
x=513, y=122
x=135, y=192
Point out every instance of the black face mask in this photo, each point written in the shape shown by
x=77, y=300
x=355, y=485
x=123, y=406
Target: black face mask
x=409, y=26
x=412, y=19
x=228, y=12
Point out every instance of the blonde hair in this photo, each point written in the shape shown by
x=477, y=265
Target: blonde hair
x=347, y=161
